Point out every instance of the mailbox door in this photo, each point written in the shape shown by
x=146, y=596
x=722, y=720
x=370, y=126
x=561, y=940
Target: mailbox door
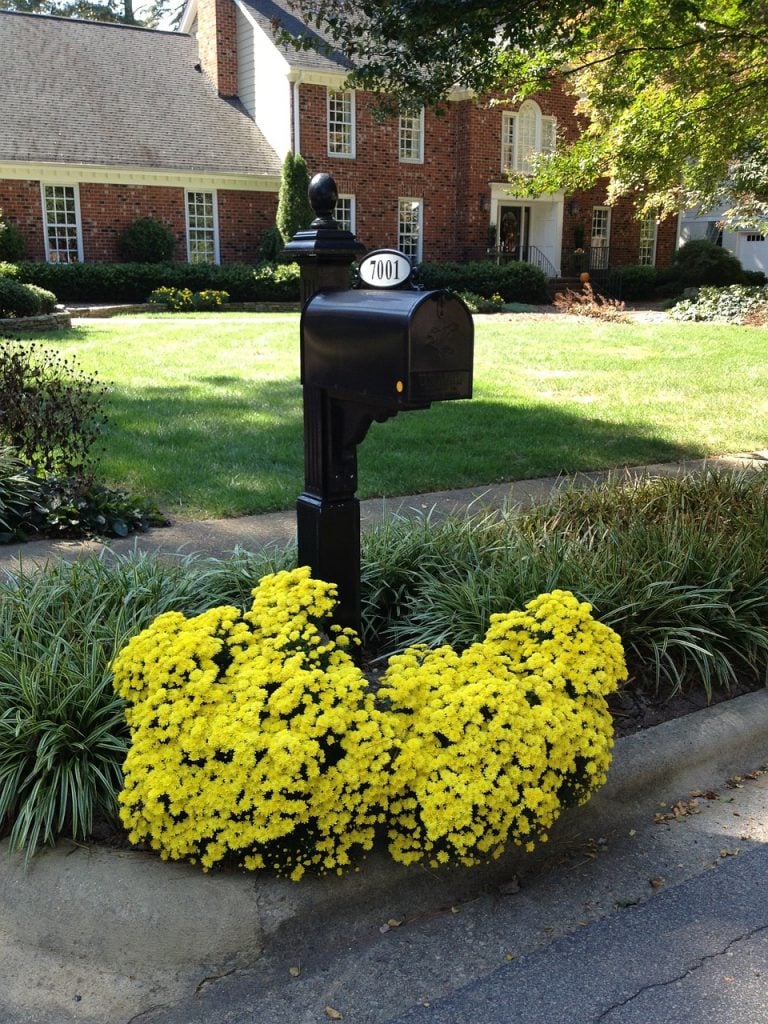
x=441, y=350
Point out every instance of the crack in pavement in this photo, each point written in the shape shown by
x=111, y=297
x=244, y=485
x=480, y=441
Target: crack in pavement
x=680, y=977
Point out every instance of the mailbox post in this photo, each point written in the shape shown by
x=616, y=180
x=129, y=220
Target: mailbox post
x=366, y=354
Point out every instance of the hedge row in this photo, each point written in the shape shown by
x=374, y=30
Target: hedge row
x=515, y=282
x=134, y=282
x=697, y=263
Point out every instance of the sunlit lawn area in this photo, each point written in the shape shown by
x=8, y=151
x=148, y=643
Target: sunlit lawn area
x=205, y=410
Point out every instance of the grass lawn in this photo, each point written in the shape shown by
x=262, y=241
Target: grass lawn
x=205, y=410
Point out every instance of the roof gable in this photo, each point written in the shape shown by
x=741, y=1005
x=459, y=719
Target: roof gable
x=92, y=93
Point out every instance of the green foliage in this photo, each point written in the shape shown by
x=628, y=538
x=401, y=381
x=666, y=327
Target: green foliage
x=89, y=10
x=700, y=262
x=133, y=282
x=638, y=282
x=271, y=245
x=18, y=491
x=147, y=240
x=52, y=412
x=293, y=209
x=8, y=269
x=22, y=300
x=514, y=282
x=479, y=304
x=11, y=241
x=676, y=566
x=734, y=305
x=182, y=300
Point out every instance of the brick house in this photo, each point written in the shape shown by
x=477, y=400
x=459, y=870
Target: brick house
x=108, y=123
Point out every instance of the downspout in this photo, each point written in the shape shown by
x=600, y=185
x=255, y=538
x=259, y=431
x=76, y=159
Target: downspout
x=296, y=118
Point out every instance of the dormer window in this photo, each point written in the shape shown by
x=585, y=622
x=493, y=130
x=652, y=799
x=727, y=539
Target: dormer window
x=525, y=135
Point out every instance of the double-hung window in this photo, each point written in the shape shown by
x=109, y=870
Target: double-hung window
x=202, y=228
x=411, y=138
x=63, y=232
x=409, y=228
x=648, y=231
x=526, y=135
x=344, y=213
x=341, y=123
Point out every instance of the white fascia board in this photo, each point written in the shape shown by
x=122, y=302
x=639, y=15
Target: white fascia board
x=188, y=18
x=73, y=174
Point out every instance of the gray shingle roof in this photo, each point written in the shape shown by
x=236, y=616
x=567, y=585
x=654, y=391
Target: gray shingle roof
x=81, y=92
x=267, y=12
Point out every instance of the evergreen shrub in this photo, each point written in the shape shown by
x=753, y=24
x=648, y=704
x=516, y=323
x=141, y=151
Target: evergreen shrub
x=147, y=240
x=514, y=281
x=134, y=282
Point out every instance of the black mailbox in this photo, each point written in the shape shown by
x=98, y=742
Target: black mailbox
x=389, y=348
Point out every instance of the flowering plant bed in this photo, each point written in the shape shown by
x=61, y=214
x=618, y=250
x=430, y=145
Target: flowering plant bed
x=257, y=739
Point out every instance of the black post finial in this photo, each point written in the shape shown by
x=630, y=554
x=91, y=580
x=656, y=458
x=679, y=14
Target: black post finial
x=323, y=195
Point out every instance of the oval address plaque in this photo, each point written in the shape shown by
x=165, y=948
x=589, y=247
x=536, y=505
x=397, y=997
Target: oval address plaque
x=385, y=268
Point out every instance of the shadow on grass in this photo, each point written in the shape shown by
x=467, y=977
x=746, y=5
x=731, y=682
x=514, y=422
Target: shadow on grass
x=231, y=447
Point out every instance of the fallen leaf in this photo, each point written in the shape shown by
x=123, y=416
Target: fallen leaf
x=454, y=910
x=294, y=971
x=510, y=956
x=510, y=887
x=729, y=853
x=633, y=832
x=395, y=922
x=333, y=1014
x=656, y=882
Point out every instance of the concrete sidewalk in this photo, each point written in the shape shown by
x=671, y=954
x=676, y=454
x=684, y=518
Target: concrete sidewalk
x=218, y=537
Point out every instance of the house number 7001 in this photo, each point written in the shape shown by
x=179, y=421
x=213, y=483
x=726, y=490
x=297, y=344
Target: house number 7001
x=385, y=268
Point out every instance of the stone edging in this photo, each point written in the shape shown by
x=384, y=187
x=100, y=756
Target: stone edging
x=45, y=322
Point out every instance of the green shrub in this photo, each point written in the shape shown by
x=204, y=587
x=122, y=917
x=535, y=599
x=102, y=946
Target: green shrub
x=271, y=245
x=19, y=300
x=8, y=269
x=147, y=240
x=18, y=492
x=731, y=305
x=293, y=208
x=479, y=304
x=46, y=299
x=701, y=262
x=638, y=282
x=11, y=241
x=514, y=282
x=52, y=412
x=133, y=282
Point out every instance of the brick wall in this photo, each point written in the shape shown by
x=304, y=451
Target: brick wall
x=217, y=44
x=462, y=160
x=106, y=210
x=22, y=205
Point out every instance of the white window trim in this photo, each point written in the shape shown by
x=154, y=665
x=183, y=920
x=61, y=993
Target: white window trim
x=511, y=117
x=352, y=210
x=420, y=240
x=78, y=218
x=353, y=127
x=419, y=159
x=652, y=261
x=214, y=195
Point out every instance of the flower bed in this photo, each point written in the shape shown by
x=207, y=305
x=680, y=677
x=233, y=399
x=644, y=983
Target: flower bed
x=257, y=739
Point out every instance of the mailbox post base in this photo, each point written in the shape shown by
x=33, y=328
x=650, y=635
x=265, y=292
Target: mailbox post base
x=328, y=533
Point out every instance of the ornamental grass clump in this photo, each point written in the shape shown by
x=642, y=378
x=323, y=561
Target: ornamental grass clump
x=495, y=741
x=254, y=739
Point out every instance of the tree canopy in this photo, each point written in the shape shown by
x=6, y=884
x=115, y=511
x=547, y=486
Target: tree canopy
x=674, y=92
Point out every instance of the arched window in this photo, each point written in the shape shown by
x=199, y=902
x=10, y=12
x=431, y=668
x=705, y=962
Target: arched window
x=526, y=134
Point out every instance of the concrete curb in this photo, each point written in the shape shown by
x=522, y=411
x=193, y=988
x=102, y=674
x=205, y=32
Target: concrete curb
x=122, y=910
